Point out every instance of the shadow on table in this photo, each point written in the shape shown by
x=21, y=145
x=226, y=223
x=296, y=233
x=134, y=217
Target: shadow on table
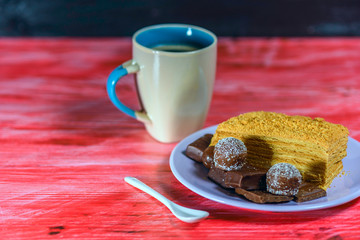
x=90, y=122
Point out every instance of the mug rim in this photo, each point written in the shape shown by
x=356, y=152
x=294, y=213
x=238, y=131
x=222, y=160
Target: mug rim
x=173, y=25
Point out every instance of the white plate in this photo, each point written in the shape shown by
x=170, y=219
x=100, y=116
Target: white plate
x=193, y=175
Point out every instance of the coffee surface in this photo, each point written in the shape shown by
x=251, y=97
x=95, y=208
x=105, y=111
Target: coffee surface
x=176, y=48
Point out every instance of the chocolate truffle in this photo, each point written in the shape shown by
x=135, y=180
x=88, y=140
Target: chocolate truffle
x=230, y=154
x=283, y=179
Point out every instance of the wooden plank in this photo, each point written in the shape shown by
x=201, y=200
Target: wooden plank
x=64, y=149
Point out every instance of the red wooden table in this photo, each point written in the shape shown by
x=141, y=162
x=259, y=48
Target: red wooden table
x=65, y=149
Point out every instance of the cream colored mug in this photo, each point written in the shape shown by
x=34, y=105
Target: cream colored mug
x=175, y=71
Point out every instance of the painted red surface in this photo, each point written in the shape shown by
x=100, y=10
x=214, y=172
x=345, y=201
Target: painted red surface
x=65, y=149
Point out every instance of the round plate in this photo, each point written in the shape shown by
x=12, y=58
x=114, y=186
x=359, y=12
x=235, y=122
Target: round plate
x=344, y=188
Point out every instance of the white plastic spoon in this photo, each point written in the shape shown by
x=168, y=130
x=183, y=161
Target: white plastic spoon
x=184, y=214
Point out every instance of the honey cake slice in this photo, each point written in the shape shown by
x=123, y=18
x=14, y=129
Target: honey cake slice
x=315, y=146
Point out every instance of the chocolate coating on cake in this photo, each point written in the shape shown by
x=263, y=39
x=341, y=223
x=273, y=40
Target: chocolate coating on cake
x=283, y=179
x=230, y=154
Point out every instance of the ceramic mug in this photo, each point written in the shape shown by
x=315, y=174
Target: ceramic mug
x=175, y=72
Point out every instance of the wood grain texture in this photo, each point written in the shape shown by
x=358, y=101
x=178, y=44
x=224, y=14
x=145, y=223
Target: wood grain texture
x=65, y=149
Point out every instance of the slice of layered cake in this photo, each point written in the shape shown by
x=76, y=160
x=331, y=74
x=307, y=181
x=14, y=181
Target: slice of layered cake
x=315, y=146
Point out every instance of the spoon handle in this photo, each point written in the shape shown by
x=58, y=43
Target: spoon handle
x=142, y=186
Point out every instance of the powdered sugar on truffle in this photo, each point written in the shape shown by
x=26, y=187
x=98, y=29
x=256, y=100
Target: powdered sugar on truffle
x=283, y=179
x=230, y=154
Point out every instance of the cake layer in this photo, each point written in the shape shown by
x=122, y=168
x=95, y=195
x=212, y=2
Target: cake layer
x=278, y=125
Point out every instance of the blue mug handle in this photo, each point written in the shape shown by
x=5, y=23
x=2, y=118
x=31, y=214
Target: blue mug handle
x=114, y=77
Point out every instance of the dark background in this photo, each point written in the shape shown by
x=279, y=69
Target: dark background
x=86, y=18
